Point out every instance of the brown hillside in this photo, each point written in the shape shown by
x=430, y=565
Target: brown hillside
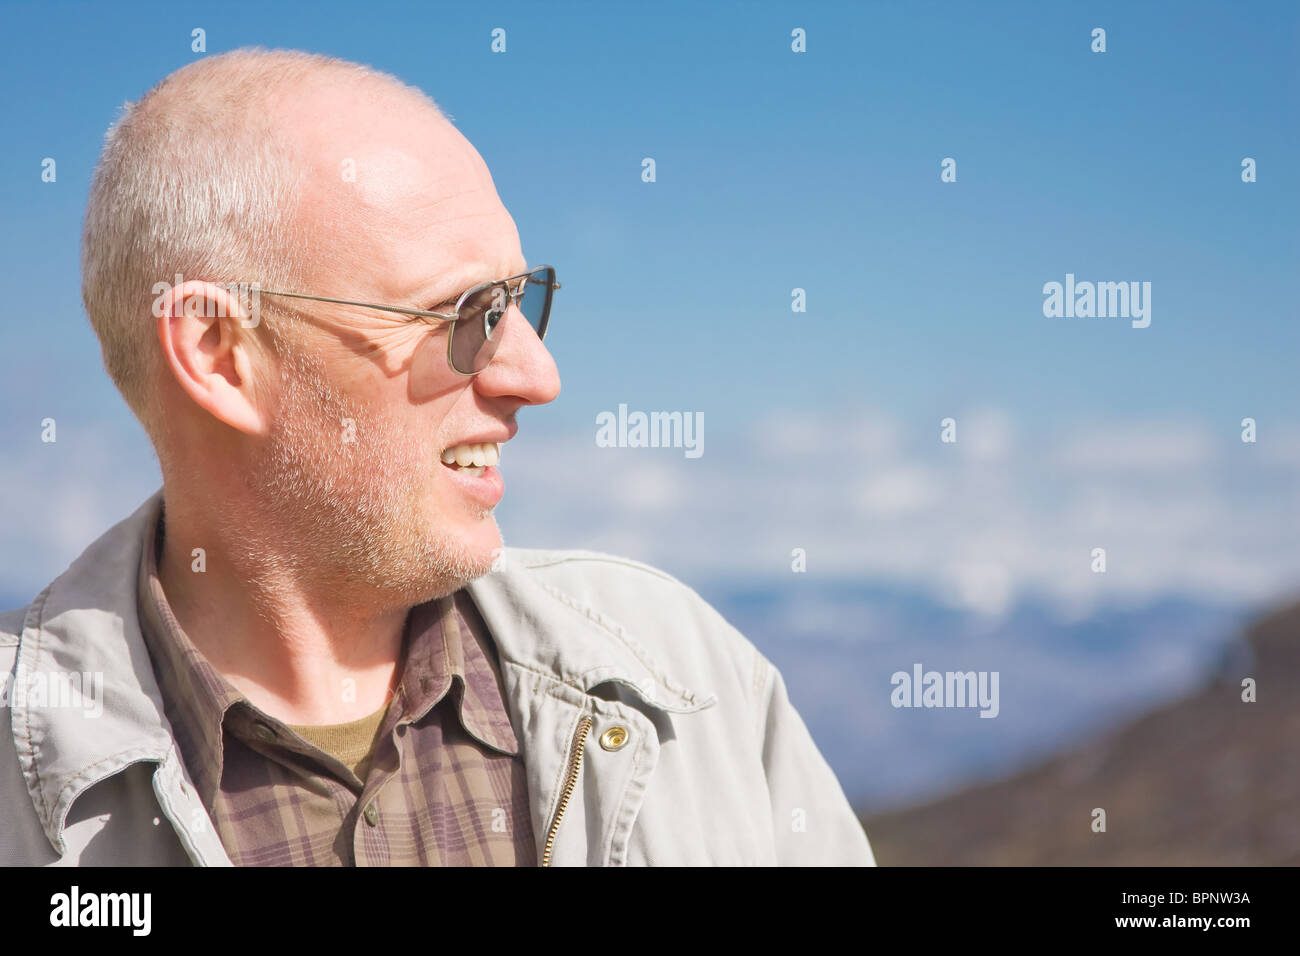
x=1207, y=780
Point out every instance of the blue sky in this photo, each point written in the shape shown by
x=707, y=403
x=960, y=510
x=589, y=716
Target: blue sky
x=778, y=170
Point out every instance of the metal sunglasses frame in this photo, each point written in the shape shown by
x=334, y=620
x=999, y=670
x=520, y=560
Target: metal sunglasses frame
x=453, y=317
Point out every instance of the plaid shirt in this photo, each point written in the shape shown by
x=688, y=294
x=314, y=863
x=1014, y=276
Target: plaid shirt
x=445, y=785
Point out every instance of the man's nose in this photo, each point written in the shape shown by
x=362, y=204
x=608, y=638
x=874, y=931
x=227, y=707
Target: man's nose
x=522, y=366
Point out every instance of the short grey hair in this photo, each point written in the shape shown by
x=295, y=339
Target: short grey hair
x=195, y=179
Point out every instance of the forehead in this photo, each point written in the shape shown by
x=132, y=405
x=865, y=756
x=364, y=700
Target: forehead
x=397, y=204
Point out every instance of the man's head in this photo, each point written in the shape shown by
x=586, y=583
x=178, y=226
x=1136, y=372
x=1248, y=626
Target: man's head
x=316, y=434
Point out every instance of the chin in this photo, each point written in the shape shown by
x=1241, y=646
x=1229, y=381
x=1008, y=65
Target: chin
x=472, y=543
x=484, y=543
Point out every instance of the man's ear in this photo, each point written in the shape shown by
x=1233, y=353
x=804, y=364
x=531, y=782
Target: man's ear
x=208, y=345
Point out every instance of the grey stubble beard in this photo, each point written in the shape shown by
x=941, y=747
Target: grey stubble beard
x=344, y=511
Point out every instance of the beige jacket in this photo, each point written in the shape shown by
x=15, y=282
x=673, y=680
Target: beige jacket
x=653, y=732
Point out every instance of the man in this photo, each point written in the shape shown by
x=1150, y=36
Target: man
x=312, y=646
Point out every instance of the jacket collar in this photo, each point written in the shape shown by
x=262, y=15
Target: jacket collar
x=86, y=622
x=542, y=629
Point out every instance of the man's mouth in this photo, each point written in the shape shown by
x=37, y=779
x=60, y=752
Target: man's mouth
x=471, y=459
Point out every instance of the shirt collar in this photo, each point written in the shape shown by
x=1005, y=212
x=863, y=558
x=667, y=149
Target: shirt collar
x=444, y=649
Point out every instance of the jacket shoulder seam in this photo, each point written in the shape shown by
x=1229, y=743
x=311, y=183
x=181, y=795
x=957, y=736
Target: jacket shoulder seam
x=35, y=614
x=618, y=633
x=547, y=559
x=596, y=618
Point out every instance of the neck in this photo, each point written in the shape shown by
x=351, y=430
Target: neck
x=305, y=645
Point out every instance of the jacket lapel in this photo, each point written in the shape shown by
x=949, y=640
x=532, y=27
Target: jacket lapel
x=86, y=623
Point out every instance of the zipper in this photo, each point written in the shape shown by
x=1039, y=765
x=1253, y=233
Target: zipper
x=570, y=781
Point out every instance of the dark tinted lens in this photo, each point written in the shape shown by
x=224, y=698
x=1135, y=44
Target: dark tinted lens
x=471, y=347
x=474, y=337
x=535, y=302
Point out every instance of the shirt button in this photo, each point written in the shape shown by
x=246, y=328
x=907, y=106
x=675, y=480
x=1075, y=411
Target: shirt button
x=614, y=738
x=371, y=815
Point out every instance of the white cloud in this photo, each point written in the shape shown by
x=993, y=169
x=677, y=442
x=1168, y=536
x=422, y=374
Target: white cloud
x=1019, y=515
x=1137, y=446
x=868, y=499
x=987, y=587
x=899, y=491
x=985, y=435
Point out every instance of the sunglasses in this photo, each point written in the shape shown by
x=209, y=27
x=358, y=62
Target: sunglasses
x=473, y=339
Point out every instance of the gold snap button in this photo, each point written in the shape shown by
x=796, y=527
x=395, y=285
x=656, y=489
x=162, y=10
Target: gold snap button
x=614, y=738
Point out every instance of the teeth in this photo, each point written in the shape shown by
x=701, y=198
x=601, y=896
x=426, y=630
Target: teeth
x=473, y=458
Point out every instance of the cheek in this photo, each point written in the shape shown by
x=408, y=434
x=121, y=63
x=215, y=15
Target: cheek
x=410, y=455
x=388, y=456
x=398, y=438
x=430, y=377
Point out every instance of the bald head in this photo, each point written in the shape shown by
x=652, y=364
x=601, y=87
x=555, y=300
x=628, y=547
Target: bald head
x=389, y=182
x=205, y=177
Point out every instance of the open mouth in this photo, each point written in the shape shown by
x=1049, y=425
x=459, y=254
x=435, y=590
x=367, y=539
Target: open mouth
x=472, y=459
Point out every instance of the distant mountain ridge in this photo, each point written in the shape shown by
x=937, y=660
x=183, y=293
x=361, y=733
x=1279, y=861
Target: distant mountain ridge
x=1061, y=680
x=1203, y=780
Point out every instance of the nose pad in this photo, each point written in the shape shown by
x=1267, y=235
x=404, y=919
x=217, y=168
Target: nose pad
x=509, y=323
